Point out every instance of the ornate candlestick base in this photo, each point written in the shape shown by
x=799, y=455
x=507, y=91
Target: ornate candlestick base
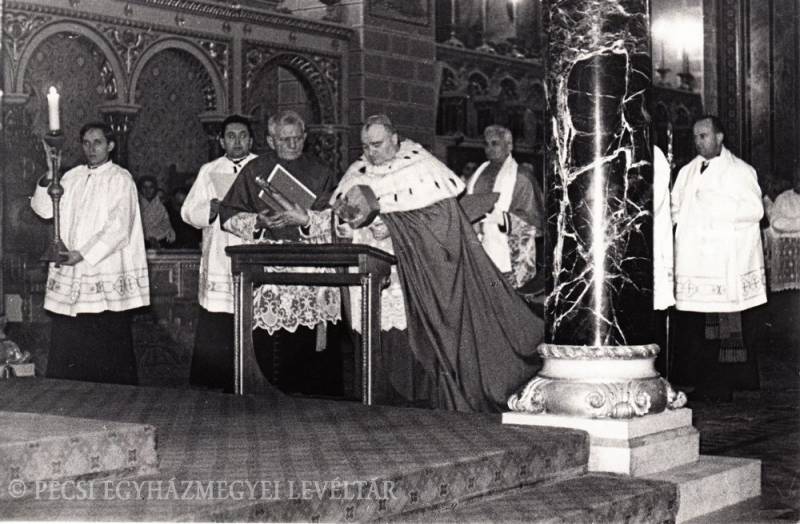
x=54, y=143
x=597, y=382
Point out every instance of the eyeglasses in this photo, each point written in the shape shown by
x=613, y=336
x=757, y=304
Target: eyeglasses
x=288, y=139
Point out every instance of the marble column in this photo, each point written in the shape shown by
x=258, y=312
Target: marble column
x=598, y=349
x=120, y=118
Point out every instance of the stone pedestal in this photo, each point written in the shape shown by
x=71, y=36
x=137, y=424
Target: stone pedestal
x=637, y=446
x=664, y=446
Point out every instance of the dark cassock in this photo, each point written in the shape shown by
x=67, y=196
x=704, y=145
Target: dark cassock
x=285, y=317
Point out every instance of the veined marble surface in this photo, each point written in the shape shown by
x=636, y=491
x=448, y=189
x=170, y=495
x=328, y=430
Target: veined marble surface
x=600, y=174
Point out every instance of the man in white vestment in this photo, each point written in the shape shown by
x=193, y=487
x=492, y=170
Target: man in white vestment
x=155, y=219
x=104, y=272
x=212, y=359
x=508, y=231
x=719, y=263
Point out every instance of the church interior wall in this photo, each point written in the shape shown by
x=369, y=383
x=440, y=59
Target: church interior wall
x=163, y=75
x=774, y=86
x=170, y=71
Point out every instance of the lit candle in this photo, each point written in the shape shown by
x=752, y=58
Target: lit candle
x=514, y=16
x=52, y=109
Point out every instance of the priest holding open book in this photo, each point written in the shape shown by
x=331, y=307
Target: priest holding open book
x=285, y=316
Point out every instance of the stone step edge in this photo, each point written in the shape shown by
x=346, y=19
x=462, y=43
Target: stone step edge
x=712, y=483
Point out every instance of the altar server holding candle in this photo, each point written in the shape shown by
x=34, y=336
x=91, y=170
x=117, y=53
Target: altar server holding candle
x=91, y=293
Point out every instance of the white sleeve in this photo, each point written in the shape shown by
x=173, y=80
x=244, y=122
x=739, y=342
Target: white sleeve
x=196, y=208
x=116, y=232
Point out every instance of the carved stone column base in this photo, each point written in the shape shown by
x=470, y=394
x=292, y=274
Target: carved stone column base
x=597, y=382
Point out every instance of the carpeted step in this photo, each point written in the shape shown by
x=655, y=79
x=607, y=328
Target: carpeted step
x=294, y=454
x=594, y=497
x=52, y=453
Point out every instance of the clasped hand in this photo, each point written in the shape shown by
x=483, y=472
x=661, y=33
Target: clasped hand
x=73, y=256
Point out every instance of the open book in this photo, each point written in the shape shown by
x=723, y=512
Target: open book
x=283, y=183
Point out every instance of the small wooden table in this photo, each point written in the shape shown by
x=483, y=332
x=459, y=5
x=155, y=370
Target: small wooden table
x=251, y=265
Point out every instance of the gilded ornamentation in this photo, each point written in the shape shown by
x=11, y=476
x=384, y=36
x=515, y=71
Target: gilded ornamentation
x=109, y=81
x=18, y=27
x=129, y=43
x=220, y=54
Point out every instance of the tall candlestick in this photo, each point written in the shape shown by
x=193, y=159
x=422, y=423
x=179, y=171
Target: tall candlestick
x=52, y=109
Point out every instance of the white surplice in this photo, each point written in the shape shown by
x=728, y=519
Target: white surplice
x=719, y=262
x=100, y=218
x=663, y=263
x=215, y=286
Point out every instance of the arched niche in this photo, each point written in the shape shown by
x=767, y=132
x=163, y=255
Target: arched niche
x=214, y=90
x=87, y=32
x=78, y=62
x=173, y=84
x=477, y=84
x=287, y=81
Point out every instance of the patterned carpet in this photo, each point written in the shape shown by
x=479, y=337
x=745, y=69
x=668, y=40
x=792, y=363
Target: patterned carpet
x=279, y=458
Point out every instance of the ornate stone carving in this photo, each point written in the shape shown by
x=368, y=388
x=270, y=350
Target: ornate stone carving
x=220, y=54
x=478, y=89
x=327, y=143
x=321, y=73
x=595, y=352
x=129, y=43
x=120, y=118
x=18, y=27
x=597, y=382
x=237, y=13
